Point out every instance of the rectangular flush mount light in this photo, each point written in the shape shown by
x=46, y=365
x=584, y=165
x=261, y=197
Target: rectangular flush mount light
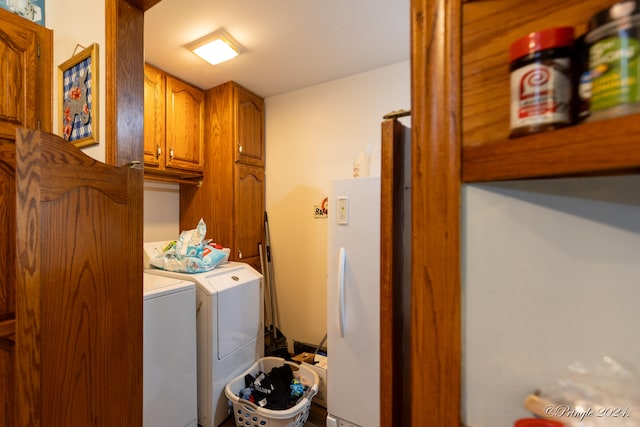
x=216, y=47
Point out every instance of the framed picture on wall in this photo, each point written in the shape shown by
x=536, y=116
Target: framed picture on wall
x=78, y=93
x=33, y=10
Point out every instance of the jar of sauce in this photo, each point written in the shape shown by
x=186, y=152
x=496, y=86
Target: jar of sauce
x=541, y=81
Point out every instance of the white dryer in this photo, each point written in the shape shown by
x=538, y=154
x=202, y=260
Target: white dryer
x=230, y=334
x=169, y=352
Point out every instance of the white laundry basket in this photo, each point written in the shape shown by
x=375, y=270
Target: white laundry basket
x=248, y=414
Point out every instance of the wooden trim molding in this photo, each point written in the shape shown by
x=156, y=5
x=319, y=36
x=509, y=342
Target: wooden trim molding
x=394, y=275
x=124, y=82
x=435, y=283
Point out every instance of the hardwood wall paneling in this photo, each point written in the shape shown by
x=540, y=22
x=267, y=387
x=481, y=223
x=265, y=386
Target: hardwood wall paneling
x=485, y=79
x=79, y=299
x=435, y=213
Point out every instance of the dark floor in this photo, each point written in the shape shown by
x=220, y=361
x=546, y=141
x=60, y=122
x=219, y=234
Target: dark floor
x=317, y=418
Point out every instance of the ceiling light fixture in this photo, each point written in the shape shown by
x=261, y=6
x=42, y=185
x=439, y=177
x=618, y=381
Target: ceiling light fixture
x=216, y=47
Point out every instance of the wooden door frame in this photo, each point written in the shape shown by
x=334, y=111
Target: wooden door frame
x=124, y=21
x=435, y=283
x=435, y=93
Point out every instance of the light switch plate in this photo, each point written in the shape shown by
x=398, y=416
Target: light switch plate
x=342, y=206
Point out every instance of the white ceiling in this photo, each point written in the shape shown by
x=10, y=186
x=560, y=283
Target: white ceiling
x=289, y=44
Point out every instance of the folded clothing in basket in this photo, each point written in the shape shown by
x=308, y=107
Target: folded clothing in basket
x=274, y=390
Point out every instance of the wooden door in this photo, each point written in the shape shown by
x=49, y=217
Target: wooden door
x=249, y=127
x=78, y=351
x=154, y=116
x=395, y=273
x=248, y=214
x=184, y=126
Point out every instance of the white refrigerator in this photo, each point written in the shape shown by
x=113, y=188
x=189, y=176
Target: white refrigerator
x=353, y=303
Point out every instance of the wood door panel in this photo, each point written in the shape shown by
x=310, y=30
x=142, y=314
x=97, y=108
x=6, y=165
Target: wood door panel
x=18, y=56
x=249, y=211
x=154, y=116
x=184, y=125
x=249, y=127
x=78, y=287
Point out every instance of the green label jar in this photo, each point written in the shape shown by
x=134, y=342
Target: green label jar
x=613, y=61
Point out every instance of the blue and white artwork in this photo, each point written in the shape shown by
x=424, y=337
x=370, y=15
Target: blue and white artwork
x=33, y=10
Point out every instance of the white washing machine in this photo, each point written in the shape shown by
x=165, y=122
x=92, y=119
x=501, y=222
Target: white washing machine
x=169, y=352
x=230, y=333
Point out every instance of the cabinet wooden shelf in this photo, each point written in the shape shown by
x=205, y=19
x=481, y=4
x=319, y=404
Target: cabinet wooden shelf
x=598, y=148
x=594, y=148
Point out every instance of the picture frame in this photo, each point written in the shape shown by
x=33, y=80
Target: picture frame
x=78, y=94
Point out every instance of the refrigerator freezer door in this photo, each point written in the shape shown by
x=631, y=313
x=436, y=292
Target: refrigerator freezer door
x=353, y=304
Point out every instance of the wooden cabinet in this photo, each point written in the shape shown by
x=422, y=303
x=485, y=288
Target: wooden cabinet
x=231, y=196
x=25, y=101
x=460, y=123
x=173, y=127
x=154, y=116
x=249, y=126
x=248, y=214
x=26, y=60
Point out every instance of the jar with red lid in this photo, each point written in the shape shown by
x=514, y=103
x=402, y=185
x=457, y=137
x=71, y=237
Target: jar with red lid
x=541, y=81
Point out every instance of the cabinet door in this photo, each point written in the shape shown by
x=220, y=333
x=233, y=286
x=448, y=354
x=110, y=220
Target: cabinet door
x=248, y=214
x=7, y=237
x=7, y=382
x=249, y=128
x=154, y=114
x=184, y=126
x=21, y=54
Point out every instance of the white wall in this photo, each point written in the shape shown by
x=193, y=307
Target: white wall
x=551, y=275
x=161, y=211
x=78, y=22
x=313, y=136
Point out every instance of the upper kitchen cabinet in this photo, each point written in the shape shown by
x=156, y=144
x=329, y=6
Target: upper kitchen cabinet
x=25, y=58
x=154, y=116
x=244, y=116
x=173, y=127
x=598, y=147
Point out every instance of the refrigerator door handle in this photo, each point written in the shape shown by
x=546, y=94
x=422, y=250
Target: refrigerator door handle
x=342, y=262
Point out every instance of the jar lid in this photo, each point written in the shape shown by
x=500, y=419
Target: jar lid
x=619, y=10
x=541, y=40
